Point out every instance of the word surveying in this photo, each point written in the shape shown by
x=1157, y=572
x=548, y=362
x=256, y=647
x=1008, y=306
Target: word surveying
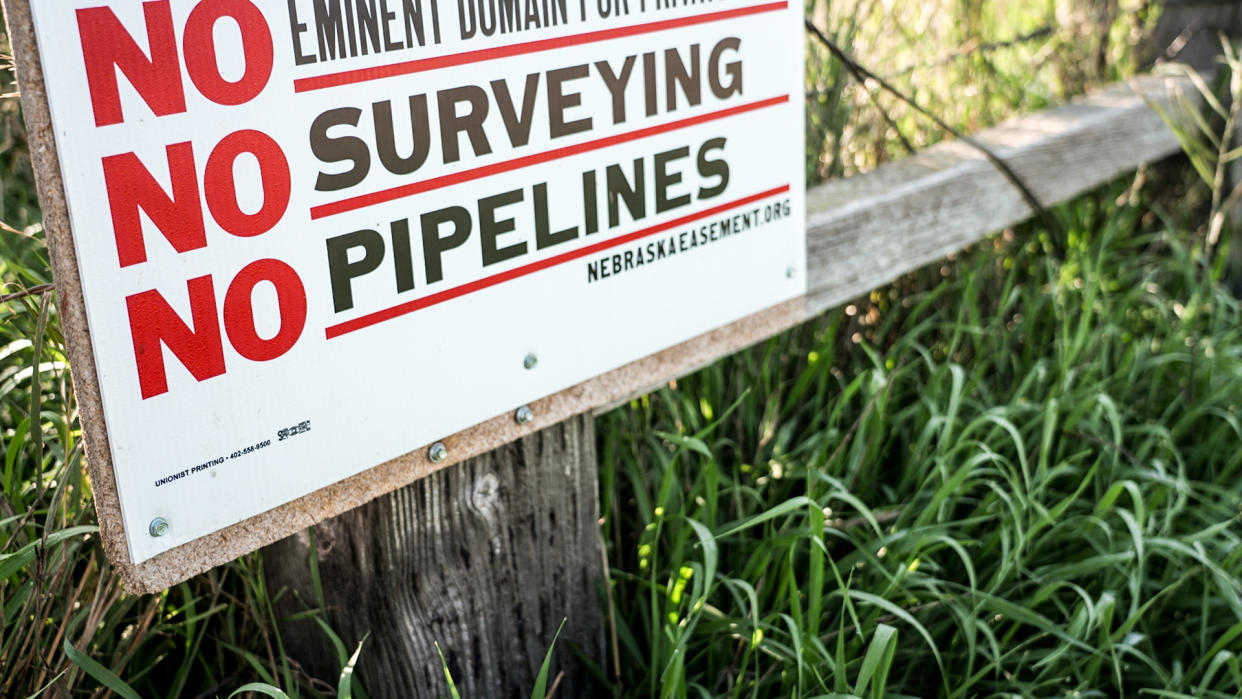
x=340, y=138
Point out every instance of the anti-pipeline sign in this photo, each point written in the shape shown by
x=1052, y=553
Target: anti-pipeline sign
x=314, y=235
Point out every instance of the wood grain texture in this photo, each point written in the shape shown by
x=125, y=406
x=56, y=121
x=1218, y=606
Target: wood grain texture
x=485, y=558
x=865, y=231
x=1189, y=30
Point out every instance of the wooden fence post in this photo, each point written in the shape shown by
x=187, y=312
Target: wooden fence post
x=484, y=558
x=1189, y=30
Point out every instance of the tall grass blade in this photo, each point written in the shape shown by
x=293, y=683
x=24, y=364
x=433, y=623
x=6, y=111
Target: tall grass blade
x=540, y=690
x=100, y=673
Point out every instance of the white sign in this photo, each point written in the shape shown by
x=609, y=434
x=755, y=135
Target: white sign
x=315, y=235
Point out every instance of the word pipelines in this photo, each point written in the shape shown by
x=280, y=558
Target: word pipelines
x=340, y=135
x=492, y=224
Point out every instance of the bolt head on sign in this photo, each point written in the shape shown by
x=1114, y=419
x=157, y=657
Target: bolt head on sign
x=313, y=236
x=524, y=415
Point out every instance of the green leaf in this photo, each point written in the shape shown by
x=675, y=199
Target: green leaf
x=541, y=680
x=45, y=687
x=686, y=442
x=101, y=674
x=12, y=562
x=344, y=686
x=878, y=661
x=260, y=688
x=900, y=614
x=448, y=676
x=253, y=661
x=337, y=644
x=787, y=507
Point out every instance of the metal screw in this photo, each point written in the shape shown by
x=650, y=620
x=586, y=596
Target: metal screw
x=437, y=453
x=158, y=527
x=531, y=361
x=524, y=415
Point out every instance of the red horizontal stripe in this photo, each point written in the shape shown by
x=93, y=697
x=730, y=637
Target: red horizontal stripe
x=486, y=282
x=386, y=195
x=349, y=77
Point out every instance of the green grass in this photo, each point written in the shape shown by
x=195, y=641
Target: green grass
x=1010, y=475
x=1006, y=474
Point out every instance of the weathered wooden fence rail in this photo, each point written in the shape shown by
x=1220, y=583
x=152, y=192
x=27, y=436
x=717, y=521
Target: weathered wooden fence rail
x=865, y=231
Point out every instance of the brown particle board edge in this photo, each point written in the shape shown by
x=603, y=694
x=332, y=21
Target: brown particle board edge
x=862, y=232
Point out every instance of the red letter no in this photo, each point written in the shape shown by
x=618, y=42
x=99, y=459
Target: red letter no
x=154, y=324
x=107, y=47
x=179, y=214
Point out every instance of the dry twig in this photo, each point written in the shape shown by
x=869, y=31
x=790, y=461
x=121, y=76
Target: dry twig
x=32, y=291
x=864, y=75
